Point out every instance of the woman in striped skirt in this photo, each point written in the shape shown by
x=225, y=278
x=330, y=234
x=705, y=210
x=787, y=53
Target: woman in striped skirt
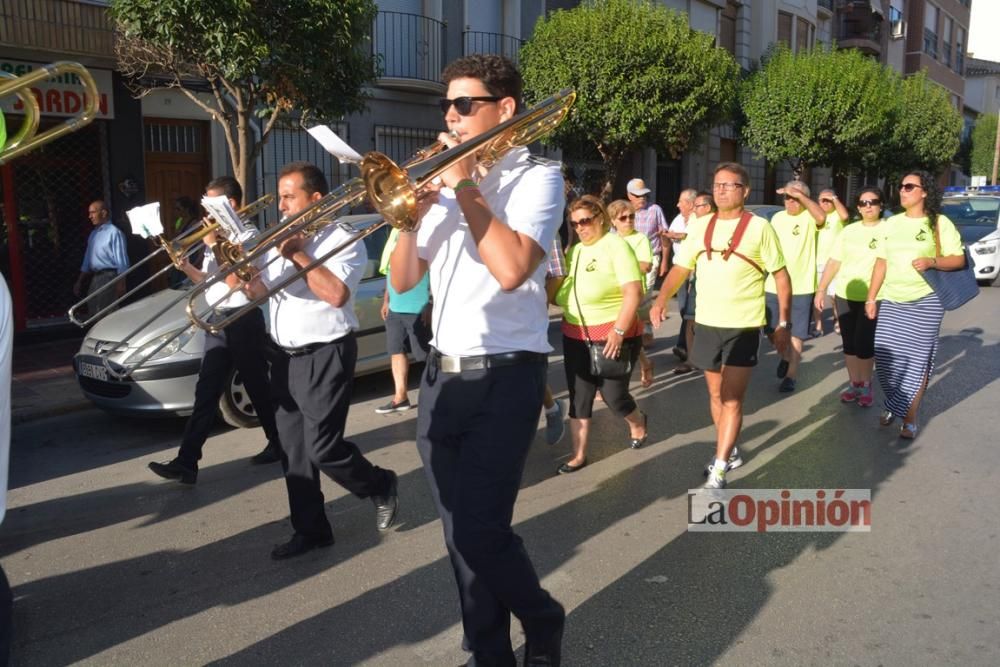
x=909, y=312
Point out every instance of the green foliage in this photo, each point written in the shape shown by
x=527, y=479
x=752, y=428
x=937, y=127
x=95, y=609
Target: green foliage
x=309, y=54
x=259, y=57
x=643, y=77
x=817, y=108
x=984, y=136
x=926, y=128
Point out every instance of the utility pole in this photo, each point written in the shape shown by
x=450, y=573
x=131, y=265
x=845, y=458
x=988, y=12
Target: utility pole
x=996, y=151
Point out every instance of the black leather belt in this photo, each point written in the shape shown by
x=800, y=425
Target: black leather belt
x=449, y=364
x=100, y=271
x=310, y=348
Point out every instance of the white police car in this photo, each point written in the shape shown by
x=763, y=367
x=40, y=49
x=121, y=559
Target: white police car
x=976, y=214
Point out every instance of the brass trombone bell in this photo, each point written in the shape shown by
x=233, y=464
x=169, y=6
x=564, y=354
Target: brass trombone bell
x=27, y=139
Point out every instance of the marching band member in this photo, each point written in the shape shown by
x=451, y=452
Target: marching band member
x=483, y=239
x=239, y=345
x=312, y=376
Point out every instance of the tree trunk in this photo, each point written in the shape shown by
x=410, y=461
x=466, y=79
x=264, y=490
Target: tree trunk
x=246, y=149
x=612, y=157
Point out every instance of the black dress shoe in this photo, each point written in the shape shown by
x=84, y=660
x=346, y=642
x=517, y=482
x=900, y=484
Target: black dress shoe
x=386, y=506
x=175, y=470
x=782, y=369
x=298, y=545
x=270, y=454
x=544, y=654
x=566, y=469
x=636, y=443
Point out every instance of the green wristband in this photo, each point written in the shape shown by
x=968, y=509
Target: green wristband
x=465, y=184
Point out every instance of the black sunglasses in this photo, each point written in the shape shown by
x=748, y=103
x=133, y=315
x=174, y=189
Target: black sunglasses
x=909, y=187
x=627, y=216
x=825, y=201
x=582, y=221
x=463, y=105
x=862, y=203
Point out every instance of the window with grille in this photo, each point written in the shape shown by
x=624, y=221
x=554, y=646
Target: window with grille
x=401, y=143
x=179, y=138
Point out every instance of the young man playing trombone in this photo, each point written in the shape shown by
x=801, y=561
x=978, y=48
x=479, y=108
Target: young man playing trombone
x=483, y=238
x=242, y=345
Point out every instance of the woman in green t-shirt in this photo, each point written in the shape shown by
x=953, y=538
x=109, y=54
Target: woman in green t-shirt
x=622, y=215
x=852, y=256
x=909, y=312
x=599, y=298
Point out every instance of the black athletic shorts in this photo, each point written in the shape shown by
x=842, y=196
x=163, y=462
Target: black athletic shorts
x=715, y=347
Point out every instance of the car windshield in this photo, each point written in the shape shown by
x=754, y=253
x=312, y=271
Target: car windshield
x=975, y=217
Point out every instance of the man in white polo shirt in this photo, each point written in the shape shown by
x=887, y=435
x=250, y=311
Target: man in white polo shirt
x=484, y=239
x=312, y=375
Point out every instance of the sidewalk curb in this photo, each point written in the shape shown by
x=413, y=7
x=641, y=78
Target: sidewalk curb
x=27, y=415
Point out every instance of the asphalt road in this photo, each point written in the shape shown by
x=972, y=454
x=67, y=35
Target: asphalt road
x=110, y=565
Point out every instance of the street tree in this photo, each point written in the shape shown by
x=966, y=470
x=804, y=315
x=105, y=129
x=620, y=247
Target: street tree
x=820, y=107
x=643, y=78
x=984, y=137
x=255, y=59
x=926, y=128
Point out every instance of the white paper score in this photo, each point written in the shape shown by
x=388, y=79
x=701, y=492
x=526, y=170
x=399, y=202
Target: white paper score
x=333, y=144
x=145, y=220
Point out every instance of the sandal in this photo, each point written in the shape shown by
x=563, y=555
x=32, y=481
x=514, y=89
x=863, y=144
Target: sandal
x=646, y=374
x=683, y=368
x=908, y=431
x=636, y=443
x=886, y=418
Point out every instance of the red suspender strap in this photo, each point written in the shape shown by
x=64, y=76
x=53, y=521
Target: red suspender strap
x=741, y=229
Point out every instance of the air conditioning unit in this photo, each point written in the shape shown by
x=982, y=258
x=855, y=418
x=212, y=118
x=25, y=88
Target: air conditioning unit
x=898, y=29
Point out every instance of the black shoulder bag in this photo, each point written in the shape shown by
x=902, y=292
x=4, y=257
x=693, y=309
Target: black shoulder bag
x=600, y=365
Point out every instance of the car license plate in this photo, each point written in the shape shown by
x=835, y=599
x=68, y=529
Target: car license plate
x=93, y=371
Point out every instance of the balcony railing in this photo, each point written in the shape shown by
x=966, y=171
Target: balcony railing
x=64, y=27
x=410, y=46
x=825, y=4
x=491, y=42
x=860, y=26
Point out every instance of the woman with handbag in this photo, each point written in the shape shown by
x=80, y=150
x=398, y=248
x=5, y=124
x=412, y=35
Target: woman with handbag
x=852, y=256
x=622, y=215
x=601, y=333
x=909, y=312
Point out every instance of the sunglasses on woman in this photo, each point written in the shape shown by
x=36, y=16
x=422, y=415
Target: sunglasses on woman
x=909, y=187
x=582, y=221
x=463, y=105
x=627, y=216
x=864, y=203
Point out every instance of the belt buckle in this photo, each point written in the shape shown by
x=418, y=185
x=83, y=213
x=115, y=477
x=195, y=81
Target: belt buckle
x=451, y=364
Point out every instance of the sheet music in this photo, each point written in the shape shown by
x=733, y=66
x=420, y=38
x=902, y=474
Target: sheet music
x=222, y=212
x=333, y=144
x=145, y=220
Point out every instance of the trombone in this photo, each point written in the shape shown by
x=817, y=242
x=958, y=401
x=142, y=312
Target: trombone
x=27, y=139
x=178, y=250
x=392, y=190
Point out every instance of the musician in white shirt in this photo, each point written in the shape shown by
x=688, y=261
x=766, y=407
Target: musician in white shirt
x=241, y=345
x=312, y=375
x=483, y=238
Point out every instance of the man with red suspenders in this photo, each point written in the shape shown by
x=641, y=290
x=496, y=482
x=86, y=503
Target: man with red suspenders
x=731, y=250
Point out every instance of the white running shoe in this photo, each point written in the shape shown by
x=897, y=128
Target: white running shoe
x=734, y=462
x=716, y=478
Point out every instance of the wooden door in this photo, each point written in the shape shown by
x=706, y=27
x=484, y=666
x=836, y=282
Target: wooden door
x=178, y=163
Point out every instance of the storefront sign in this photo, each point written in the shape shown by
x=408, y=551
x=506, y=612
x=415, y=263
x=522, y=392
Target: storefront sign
x=62, y=96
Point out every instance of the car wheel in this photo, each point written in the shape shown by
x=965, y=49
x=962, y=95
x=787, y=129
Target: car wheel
x=235, y=407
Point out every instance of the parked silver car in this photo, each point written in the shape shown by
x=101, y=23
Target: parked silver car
x=976, y=214
x=165, y=385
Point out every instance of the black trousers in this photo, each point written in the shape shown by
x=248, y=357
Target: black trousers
x=312, y=394
x=243, y=344
x=473, y=433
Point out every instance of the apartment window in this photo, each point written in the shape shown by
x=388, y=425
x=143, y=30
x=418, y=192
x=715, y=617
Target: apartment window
x=727, y=27
x=960, y=50
x=803, y=35
x=946, y=34
x=930, y=31
x=785, y=29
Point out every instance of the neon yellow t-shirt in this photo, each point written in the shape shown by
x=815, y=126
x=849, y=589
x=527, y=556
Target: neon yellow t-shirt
x=797, y=236
x=826, y=236
x=641, y=246
x=604, y=267
x=856, y=248
x=730, y=292
x=905, y=240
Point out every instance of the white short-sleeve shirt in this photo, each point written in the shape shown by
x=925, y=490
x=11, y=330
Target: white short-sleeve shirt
x=219, y=294
x=472, y=314
x=298, y=317
x=678, y=226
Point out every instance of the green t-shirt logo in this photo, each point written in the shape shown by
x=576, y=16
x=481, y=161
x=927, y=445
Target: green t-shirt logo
x=873, y=244
x=795, y=230
x=591, y=266
x=922, y=235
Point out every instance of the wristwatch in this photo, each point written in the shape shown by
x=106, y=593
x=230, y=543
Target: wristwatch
x=620, y=332
x=784, y=324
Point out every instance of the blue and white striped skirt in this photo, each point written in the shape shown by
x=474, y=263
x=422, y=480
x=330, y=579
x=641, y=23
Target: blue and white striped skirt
x=906, y=342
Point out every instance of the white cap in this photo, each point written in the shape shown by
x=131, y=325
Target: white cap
x=637, y=187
